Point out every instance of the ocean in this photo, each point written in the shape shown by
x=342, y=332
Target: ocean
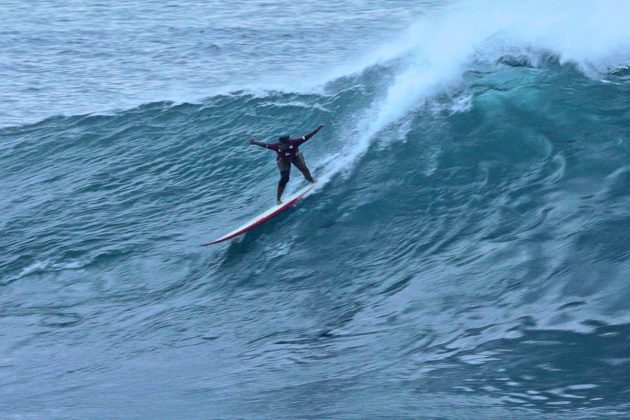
x=465, y=253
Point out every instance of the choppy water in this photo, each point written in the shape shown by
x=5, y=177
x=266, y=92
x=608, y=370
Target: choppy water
x=466, y=254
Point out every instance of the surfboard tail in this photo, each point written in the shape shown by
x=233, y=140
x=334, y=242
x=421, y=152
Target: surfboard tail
x=265, y=216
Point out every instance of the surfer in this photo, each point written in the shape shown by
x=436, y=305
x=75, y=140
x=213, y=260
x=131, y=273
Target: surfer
x=288, y=153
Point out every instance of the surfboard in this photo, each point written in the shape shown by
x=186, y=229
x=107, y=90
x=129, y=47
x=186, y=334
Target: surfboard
x=265, y=216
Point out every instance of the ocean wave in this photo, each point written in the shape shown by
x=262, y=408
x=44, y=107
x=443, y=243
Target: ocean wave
x=469, y=229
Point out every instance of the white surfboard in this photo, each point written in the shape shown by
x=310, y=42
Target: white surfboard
x=267, y=215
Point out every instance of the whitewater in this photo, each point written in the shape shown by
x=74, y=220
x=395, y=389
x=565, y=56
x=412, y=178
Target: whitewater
x=465, y=254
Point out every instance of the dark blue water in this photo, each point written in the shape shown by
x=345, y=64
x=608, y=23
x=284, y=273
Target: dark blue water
x=466, y=253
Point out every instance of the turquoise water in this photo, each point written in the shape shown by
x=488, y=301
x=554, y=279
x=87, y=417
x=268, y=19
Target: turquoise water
x=466, y=253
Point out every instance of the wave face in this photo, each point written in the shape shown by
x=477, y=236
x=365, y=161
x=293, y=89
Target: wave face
x=465, y=255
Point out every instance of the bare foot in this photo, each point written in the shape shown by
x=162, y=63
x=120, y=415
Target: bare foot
x=278, y=202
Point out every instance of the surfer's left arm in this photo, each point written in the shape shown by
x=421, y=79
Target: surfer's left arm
x=311, y=134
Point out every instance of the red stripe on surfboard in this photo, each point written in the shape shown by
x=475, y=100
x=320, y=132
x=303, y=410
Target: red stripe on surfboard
x=260, y=221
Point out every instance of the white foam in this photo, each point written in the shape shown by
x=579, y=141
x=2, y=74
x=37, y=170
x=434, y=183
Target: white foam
x=434, y=53
x=46, y=266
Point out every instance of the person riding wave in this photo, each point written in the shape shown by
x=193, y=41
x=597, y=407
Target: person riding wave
x=288, y=153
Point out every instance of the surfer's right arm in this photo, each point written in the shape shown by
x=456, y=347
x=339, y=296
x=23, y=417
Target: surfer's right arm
x=259, y=143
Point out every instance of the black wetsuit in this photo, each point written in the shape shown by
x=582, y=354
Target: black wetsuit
x=289, y=153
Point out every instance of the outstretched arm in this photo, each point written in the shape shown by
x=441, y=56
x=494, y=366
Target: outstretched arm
x=258, y=143
x=312, y=133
